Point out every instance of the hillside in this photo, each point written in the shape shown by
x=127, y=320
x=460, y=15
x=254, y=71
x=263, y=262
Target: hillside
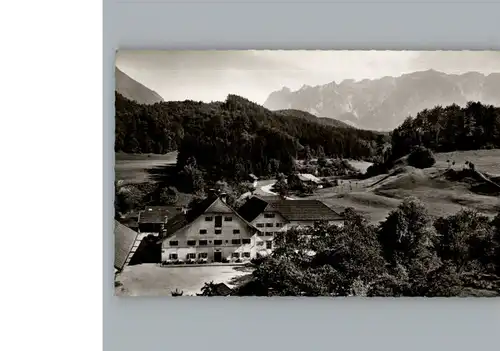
x=382, y=104
x=312, y=118
x=233, y=138
x=443, y=188
x=134, y=90
x=444, y=129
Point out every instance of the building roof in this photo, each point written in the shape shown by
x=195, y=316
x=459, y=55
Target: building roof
x=304, y=210
x=157, y=214
x=222, y=289
x=124, y=242
x=292, y=210
x=209, y=204
x=306, y=177
x=252, y=208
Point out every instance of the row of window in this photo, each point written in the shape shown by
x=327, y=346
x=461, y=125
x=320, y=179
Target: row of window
x=267, y=233
x=206, y=242
x=269, y=225
x=226, y=219
x=192, y=256
x=219, y=231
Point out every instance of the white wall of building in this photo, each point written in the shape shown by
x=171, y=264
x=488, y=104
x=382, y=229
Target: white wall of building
x=218, y=239
x=267, y=227
x=258, y=240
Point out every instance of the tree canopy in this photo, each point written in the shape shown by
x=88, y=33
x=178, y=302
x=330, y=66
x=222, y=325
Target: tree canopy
x=234, y=138
x=408, y=254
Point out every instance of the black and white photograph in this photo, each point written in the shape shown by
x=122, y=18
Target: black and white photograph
x=307, y=173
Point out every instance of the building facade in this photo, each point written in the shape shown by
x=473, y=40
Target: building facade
x=211, y=232
x=273, y=216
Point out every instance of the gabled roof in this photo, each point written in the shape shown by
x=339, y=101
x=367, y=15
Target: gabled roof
x=211, y=204
x=304, y=210
x=252, y=208
x=292, y=210
x=124, y=242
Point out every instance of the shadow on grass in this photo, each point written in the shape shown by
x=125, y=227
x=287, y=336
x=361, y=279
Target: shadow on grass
x=163, y=174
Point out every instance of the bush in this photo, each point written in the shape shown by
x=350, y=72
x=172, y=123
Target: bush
x=421, y=158
x=258, y=260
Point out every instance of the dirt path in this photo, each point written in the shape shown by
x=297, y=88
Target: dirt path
x=153, y=280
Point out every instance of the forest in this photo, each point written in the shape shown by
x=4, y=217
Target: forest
x=443, y=129
x=230, y=139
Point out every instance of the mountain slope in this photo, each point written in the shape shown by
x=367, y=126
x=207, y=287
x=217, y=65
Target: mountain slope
x=382, y=104
x=312, y=118
x=134, y=90
x=234, y=137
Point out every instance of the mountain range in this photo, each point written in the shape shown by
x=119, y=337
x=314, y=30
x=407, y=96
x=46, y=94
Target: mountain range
x=133, y=90
x=383, y=104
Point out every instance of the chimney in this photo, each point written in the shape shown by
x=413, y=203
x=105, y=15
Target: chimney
x=223, y=197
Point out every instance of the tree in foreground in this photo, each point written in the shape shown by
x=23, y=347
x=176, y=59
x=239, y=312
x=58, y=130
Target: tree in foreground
x=408, y=254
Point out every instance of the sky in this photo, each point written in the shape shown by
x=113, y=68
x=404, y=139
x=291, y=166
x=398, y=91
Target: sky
x=212, y=75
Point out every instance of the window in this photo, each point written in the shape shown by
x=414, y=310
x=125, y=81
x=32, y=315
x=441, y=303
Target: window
x=209, y=219
x=260, y=225
x=260, y=243
x=203, y=231
x=261, y=233
x=172, y=256
x=246, y=241
x=228, y=219
x=279, y=225
x=173, y=243
x=246, y=254
x=217, y=242
x=269, y=234
x=191, y=256
x=236, y=255
x=191, y=242
x=269, y=245
x=269, y=225
x=202, y=242
x=268, y=215
x=236, y=231
x=236, y=241
x=202, y=255
x=218, y=231
x=218, y=221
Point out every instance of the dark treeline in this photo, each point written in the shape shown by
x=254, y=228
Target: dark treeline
x=441, y=129
x=408, y=254
x=444, y=129
x=233, y=138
